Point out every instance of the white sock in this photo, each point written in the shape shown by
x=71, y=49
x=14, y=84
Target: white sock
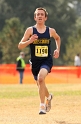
x=49, y=97
x=42, y=104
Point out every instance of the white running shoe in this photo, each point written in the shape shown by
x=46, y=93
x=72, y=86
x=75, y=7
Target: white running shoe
x=48, y=103
x=42, y=110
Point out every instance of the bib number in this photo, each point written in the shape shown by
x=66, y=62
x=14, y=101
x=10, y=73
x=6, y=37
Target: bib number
x=41, y=51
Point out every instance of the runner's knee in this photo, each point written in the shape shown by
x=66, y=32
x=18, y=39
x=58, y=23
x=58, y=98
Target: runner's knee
x=40, y=79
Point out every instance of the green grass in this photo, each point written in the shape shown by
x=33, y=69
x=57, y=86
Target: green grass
x=17, y=91
x=26, y=90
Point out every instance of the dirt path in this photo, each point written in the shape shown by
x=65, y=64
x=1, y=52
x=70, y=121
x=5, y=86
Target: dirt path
x=65, y=110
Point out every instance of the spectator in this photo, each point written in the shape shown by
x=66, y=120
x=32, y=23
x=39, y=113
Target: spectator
x=21, y=66
x=77, y=61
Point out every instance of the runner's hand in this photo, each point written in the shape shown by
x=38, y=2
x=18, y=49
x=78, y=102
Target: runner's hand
x=56, y=53
x=33, y=38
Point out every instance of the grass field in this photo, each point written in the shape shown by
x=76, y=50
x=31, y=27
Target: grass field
x=19, y=104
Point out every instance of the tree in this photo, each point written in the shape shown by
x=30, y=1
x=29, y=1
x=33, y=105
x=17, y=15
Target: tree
x=74, y=44
x=77, y=6
x=10, y=37
x=61, y=16
x=5, y=12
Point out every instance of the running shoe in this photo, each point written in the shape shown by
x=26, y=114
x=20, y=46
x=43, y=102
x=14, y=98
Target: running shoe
x=48, y=103
x=42, y=110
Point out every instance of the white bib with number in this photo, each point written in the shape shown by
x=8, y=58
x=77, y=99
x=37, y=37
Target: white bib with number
x=41, y=51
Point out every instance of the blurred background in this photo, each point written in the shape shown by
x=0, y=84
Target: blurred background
x=17, y=15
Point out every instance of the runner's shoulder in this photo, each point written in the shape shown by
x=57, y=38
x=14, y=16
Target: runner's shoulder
x=29, y=30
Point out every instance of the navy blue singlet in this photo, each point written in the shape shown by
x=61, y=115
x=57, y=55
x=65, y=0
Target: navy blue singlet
x=40, y=51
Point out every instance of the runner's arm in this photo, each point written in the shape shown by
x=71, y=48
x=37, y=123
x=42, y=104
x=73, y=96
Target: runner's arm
x=57, y=40
x=27, y=39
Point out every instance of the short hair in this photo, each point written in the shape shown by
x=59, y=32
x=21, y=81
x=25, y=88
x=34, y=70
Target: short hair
x=22, y=53
x=78, y=54
x=40, y=8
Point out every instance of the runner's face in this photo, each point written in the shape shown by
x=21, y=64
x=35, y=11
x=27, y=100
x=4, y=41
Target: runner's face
x=40, y=16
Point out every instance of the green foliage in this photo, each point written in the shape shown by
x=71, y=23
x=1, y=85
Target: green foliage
x=77, y=4
x=5, y=12
x=62, y=17
x=73, y=47
x=74, y=44
x=10, y=37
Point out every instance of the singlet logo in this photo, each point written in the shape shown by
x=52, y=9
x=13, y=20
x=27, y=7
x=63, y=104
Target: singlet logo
x=41, y=51
x=42, y=41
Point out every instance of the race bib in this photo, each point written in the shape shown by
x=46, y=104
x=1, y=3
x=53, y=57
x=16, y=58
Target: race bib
x=41, y=51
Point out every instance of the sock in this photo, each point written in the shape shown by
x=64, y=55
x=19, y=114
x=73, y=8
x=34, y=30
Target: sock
x=49, y=97
x=42, y=104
